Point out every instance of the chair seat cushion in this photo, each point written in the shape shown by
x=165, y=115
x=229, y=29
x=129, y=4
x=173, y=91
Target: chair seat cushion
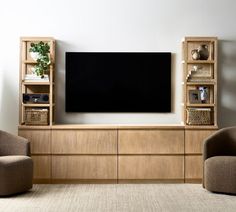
x=15, y=174
x=220, y=174
x=12, y=159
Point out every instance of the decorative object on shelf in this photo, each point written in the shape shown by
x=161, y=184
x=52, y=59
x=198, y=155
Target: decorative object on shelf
x=40, y=53
x=194, y=97
x=42, y=98
x=199, y=116
x=196, y=73
x=35, y=78
x=195, y=54
x=203, y=52
x=203, y=93
x=36, y=116
x=194, y=69
x=35, y=55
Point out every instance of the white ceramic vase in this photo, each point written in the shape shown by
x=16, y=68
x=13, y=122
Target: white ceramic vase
x=35, y=55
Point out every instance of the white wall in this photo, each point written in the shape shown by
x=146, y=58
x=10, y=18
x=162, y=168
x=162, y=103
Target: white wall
x=116, y=25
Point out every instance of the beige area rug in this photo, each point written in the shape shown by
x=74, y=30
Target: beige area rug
x=118, y=197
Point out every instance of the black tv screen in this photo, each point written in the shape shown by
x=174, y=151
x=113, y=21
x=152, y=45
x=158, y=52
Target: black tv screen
x=118, y=82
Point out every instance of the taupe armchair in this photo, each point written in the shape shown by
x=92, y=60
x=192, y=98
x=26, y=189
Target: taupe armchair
x=219, y=156
x=16, y=167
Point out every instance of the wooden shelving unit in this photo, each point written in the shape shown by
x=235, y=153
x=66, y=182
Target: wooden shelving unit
x=200, y=75
x=36, y=87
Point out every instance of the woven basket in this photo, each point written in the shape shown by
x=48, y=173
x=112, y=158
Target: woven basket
x=198, y=117
x=36, y=117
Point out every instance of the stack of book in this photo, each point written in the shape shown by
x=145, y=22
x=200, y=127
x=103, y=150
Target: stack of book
x=35, y=78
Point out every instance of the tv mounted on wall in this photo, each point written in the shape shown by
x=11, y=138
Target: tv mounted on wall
x=118, y=82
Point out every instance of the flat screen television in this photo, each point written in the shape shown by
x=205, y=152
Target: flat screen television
x=118, y=82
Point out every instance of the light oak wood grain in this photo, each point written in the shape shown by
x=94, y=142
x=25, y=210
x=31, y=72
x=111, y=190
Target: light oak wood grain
x=92, y=153
x=194, y=140
x=42, y=167
x=84, y=181
x=117, y=126
x=151, y=142
x=84, y=141
x=84, y=167
x=194, y=181
x=151, y=167
x=110, y=126
x=143, y=181
x=193, y=167
x=40, y=140
x=201, y=127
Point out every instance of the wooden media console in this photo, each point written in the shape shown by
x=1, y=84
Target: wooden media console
x=116, y=153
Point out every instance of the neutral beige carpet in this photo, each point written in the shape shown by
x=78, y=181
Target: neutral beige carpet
x=121, y=197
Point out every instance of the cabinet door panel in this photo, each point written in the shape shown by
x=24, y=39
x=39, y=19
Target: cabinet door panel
x=193, y=167
x=84, y=167
x=151, y=167
x=42, y=167
x=40, y=140
x=84, y=141
x=194, y=140
x=151, y=142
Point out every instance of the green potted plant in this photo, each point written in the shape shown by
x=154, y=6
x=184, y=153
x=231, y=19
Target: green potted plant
x=40, y=53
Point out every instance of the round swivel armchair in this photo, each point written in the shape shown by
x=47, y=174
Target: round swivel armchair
x=16, y=167
x=219, y=156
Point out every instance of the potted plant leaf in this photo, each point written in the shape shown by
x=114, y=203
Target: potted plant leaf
x=40, y=53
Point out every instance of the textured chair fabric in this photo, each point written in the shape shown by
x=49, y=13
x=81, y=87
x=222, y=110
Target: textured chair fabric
x=219, y=156
x=13, y=145
x=16, y=167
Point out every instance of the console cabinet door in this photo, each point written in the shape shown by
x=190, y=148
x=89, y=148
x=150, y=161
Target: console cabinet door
x=151, y=141
x=151, y=167
x=84, y=141
x=194, y=140
x=40, y=146
x=40, y=140
x=193, y=167
x=84, y=167
x=42, y=167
